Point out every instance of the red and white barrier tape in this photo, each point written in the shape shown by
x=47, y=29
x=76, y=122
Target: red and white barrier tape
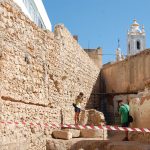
x=114, y=128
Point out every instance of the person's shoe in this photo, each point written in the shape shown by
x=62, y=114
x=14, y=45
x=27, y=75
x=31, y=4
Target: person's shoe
x=125, y=139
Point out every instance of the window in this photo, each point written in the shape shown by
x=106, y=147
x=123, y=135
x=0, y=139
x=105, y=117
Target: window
x=30, y=6
x=40, y=23
x=138, y=45
x=129, y=48
x=26, y=2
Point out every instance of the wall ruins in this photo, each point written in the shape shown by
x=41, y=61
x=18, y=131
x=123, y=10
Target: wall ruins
x=129, y=80
x=140, y=110
x=41, y=73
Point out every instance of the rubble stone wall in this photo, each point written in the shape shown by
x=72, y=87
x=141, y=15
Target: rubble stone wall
x=95, y=55
x=41, y=73
x=140, y=110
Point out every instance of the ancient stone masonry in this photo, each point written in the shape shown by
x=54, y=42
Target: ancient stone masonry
x=41, y=73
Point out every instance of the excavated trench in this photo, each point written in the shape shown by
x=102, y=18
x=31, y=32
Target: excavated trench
x=114, y=142
x=94, y=144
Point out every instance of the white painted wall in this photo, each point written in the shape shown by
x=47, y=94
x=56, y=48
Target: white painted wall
x=43, y=14
x=22, y=6
x=41, y=10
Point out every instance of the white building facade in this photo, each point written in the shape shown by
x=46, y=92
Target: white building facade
x=136, y=39
x=35, y=10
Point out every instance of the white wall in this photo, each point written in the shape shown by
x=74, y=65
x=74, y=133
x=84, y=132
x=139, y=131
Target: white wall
x=22, y=6
x=41, y=10
x=43, y=14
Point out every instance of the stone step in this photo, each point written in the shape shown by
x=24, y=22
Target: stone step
x=60, y=134
x=85, y=133
x=75, y=132
x=92, y=133
x=94, y=144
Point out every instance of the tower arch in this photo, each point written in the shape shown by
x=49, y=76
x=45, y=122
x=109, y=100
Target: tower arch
x=138, y=45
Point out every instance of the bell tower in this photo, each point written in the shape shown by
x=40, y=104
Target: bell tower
x=136, y=39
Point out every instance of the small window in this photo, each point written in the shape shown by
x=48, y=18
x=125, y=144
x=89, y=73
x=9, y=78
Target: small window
x=24, y=1
x=129, y=47
x=40, y=23
x=138, y=45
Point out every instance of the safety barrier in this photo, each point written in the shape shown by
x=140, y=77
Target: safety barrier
x=107, y=127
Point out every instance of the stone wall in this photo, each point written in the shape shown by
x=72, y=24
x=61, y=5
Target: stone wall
x=140, y=110
x=95, y=55
x=123, y=76
x=41, y=73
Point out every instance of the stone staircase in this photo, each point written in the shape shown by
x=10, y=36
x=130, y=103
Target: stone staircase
x=68, y=134
x=89, y=139
x=94, y=144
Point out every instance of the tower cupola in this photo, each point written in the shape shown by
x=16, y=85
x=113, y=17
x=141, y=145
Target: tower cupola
x=136, y=39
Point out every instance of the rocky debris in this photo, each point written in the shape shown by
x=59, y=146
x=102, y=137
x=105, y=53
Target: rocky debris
x=60, y=134
x=92, y=117
x=84, y=133
x=88, y=117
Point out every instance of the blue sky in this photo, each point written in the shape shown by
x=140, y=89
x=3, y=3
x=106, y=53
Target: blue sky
x=100, y=22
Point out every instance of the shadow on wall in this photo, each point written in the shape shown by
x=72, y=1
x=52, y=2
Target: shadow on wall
x=94, y=99
x=101, y=101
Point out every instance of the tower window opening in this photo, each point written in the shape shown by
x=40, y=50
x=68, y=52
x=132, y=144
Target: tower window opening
x=138, y=45
x=129, y=48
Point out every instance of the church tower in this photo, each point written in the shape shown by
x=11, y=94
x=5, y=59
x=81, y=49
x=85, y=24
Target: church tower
x=118, y=52
x=136, y=39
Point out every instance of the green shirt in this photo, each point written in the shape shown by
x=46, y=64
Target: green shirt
x=123, y=110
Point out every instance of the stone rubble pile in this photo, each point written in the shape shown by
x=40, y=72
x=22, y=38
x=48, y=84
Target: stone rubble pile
x=87, y=117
